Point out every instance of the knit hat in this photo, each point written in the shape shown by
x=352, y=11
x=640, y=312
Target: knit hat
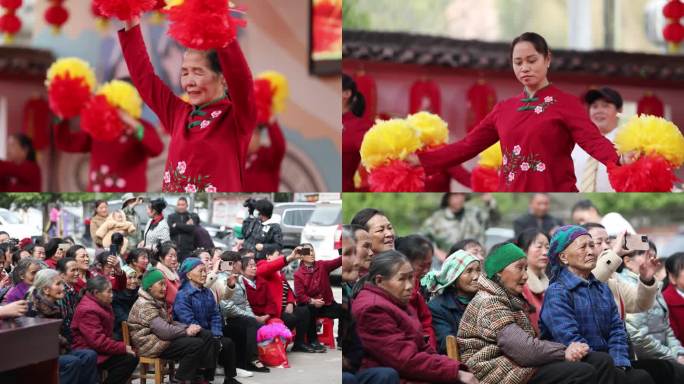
x=188, y=265
x=501, y=258
x=560, y=240
x=150, y=277
x=452, y=268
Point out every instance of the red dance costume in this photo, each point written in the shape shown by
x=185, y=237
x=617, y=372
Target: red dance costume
x=209, y=142
x=353, y=129
x=262, y=169
x=115, y=166
x=537, y=137
x=24, y=177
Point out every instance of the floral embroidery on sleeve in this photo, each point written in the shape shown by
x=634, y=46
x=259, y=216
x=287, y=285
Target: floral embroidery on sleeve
x=514, y=162
x=103, y=178
x=179, y=181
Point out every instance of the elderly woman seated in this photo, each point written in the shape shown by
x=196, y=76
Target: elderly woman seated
x=454, y=286
x=497, y=339
x=389, y=329
x=154, y=334
x=579, y=308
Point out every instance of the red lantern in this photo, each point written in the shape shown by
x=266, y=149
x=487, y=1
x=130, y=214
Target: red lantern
x=101, y=21
x=10, y=24
x=56, y=15
x=481, y=99
x=425, y=96
x=36, y=123
x=650, y=104
x=673, y=32
x=673, y=10
x=157, y=13
x=366, y=85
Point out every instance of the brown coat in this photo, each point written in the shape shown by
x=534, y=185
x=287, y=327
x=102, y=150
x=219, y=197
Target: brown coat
x=144, y=310
x=486, y=315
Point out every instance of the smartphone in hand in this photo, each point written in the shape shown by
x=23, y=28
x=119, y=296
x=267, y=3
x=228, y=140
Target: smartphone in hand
x=635, y=242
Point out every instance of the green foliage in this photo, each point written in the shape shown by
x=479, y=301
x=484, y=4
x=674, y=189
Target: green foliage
x=31, y=199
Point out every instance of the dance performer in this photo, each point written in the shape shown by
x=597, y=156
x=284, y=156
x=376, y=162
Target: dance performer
x=210, y=135
x=538, y=130
x=262, y=169
x=20, y=172
x=354, y=126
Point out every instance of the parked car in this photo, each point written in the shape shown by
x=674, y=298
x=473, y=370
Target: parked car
x=292, y=218
x=324, y=231
x=673, y=245
x=10, y=222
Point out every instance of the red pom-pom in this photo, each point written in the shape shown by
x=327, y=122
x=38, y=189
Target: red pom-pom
x=10, y=23
x=397, y=176
x=674, y=33
x=263, y=95
x=160, y=4
x=67, y=95
x=124, y=9
x=101, y=120
x=673, y=10
x=203, y=24
x=484, y=179
x=10, y=4
x=647, y=174
x=327, y=25
x=56, y=15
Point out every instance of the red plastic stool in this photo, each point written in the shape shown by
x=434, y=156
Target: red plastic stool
x=325, y=331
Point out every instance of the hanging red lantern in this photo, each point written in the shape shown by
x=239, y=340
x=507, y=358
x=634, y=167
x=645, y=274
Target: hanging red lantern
x=481, y=100
x=650, y=104
x=425, y=96
x=10, y=24
x=56, y=15
x=365, y=84
x=673, y=10
x=157, y=16
x=673, y=32
x=101, y=21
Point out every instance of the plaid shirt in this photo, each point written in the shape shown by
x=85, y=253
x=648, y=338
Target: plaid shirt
x=579, y=310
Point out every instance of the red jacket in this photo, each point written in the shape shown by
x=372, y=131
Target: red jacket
x=392, y=336
x=92, y=328
x=262, y=169
x=24, y=177
x=267, y=298
x=115, y=166
x=536, y=300
x=675, y=303
x=209, y=143
x=118, y=282
x=314, y=282
x=420, y=307
x=353, y=129
x=537, y=138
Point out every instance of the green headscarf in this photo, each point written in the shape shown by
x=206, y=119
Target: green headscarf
x=452, y=268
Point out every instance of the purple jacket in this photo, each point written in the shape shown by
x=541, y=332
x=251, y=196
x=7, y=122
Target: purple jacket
x=18, y=292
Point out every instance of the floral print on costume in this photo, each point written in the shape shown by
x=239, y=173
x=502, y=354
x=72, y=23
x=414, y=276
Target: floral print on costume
x=515, y=162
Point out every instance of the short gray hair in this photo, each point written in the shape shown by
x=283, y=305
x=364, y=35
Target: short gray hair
x=22, y=267
x=44, y=279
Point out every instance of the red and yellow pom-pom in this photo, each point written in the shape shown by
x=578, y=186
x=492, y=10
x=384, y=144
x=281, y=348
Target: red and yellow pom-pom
x=484, y=179
x=651, y=173
x=101, y=120
x=69, y=81
x=397, y=176
x=203, y=24
x=124, y=9
x=263, y=95
x=279, y=88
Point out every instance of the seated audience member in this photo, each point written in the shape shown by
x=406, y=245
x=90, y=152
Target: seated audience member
x=270, y=294
x=217, y=280
x=165, y=259
x=453, y=287
x=498, y=341
x=92, y=328
x=419, y=251
x=124, y=299
x=674, y=293
x=138, y=259
x=535, y=243
x=312, y=289
x=241, y=324
x=364, y=251
x=108, y=265
x=578, y=307
x=471, y=246
x=55, y=250
x=68, y=269
x=195, y=304
x=80, y=255
x=389, y=330
x=378, y=227
x=650, y=331
x=22, y=278
x=45, y=300
x=154, y=334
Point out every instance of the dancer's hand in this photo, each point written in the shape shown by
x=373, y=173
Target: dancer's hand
x=132, y=23
x=413, y=160
x=130, y=121
x=629, y=157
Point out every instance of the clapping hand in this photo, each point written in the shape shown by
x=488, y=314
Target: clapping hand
x=576, y=351
x=192, y=329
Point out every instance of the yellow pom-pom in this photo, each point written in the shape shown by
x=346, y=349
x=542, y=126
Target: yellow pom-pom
x=491, y=157
x=75, y=67
x=650, y=135
x=122, y=95
x=172, y=3
x=281, y=89
x=388, y=140
x=432, y=129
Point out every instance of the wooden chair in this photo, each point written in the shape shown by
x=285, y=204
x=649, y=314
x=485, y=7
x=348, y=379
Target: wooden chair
x=452, y=348
x=159, y=364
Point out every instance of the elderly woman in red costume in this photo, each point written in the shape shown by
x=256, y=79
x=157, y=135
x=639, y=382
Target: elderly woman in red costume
x=538, y=130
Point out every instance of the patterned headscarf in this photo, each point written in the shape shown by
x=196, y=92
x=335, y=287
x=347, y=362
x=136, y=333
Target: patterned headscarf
x=560, y=240
x=188, y=265
x=452, y=268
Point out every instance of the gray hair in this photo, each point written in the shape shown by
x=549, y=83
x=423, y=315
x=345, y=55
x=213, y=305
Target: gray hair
x=44, y=279
x=22, y=267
